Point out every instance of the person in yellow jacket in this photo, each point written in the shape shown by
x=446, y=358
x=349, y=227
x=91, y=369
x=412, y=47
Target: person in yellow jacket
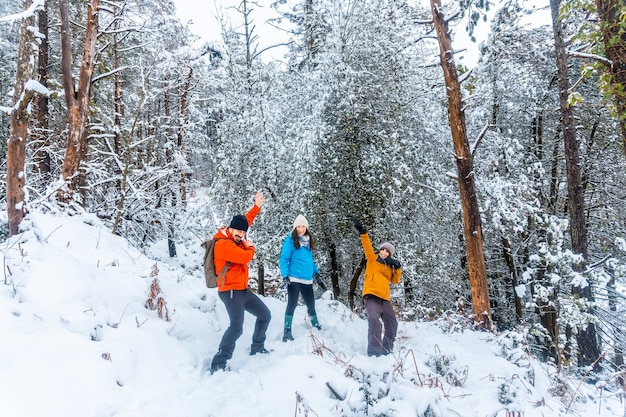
x=381, y=270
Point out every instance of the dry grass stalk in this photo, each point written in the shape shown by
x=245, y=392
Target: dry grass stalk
x=156, y=301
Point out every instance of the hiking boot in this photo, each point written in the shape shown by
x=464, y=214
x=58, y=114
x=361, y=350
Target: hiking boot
x=287, y=335
x=260, y=350
x=218, y=367
x=315, y=323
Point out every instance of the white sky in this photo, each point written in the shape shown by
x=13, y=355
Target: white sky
x=202, y=15
x=77, y=341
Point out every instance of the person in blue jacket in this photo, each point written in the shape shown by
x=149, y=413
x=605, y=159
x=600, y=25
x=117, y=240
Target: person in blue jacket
x=299, y=271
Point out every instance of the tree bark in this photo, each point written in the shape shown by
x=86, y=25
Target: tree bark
x=610, y=12
x=618, y=334
x=261, y=279
x=587, y=341
x=334, y=271
x=77, y=97
x=548, y=314
x=42, y=155
x=465, y=173
x=511, y=280
x=169, y=158
x=16, y=145
x=184, y=100
x=118, y=103
x=354, y=281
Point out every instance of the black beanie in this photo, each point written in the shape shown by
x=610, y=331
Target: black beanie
x=239, y=222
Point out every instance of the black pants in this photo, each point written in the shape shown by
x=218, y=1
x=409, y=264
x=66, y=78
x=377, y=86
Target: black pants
x=237, y=302
x=293, y=291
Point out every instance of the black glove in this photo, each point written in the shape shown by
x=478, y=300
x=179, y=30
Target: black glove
x=286, y=282
x=393, y=263
x=317, y=279
x=359, y=226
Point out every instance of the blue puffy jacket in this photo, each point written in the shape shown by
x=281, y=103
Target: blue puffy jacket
x=296, y=263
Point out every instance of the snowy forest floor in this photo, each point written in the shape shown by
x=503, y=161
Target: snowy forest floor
x=79, y=340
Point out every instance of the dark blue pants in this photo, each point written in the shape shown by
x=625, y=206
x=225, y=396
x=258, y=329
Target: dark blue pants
x=378, y=309
x=293, y=291
x=237, y=302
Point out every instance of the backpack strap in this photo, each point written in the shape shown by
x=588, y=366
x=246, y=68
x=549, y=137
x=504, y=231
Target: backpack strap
x=222, y=275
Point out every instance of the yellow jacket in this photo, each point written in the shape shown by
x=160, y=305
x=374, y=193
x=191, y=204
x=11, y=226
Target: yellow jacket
x=377, y=275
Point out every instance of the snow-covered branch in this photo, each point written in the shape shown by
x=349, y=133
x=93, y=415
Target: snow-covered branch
x=37, y=5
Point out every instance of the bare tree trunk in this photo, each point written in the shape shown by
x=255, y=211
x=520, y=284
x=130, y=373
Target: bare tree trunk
x=334, y=271
x=127, y=162
x=42, y=156
x=587, y=341
x=119, y=105
x=261, y=279
x=511, y=280
x=618, y=334
x=465, y=173
x=554, y=176
x=16, y=145
x=249, y=29
x=77, y=98
x=354, y=281
x=169, y=158
x=610, y=13
x=181, y=133
x=548, y=314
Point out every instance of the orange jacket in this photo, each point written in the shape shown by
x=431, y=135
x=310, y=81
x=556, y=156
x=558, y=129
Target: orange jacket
x=377, y=275
x=238, y=254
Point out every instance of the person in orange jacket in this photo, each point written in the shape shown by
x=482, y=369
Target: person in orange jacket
x=381, y=270
x=234, y=251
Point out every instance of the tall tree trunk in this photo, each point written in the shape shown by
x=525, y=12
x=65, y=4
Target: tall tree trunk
x=118, y=103
x=16, y=145
x=465, y=172
x=547, y=311
x=42, y=156
x=169, y=158
x=248, y=32
x=127, y=165
x=334, y=271
x=77, y=98
x=618, y=334
x=184, y=100
x=511, y=279
x=610, y=13
x=554, y=175
x=261, y=279
x=587, y=341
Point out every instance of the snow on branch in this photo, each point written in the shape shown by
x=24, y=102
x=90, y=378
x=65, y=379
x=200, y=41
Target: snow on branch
x=600, y=58
x=107, y=74
x=480, y=137
x=37, y=5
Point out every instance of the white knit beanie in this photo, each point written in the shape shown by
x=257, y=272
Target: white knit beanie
x=389, y=246
x=301, y=221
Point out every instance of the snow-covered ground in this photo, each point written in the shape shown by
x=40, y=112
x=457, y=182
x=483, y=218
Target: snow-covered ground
x=78, y=341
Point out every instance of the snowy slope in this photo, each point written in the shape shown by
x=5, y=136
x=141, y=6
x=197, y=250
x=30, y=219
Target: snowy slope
x=78, y=341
